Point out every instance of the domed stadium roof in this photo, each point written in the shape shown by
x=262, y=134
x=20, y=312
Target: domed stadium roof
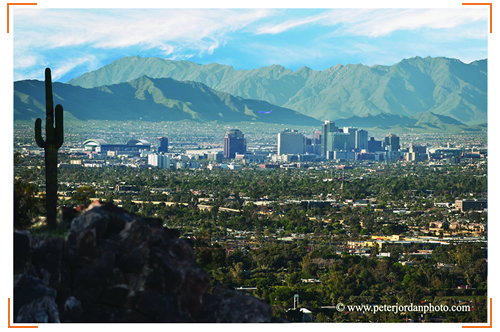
x=138, y=142
x=97, y=142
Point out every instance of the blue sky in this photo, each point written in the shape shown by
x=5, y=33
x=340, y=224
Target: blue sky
x=75, y=41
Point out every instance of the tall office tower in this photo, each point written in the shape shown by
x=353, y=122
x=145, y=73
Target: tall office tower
x=328, y=127
x=309, y=147
x=335, y=142
x=234, y=142
x=159, y=160
x=290, y=142
x=163, y=147
x=422, y=149
x=374, y=145
x=339, y=141
x=391, y=142
x=317, y=137
x=361, y=140
x=351, y=131
x=413, y=154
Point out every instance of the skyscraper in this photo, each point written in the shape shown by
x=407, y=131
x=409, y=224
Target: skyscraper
x=290, y=142
x=361, y=140
x=317, y=137
x=328, y=127
x=163, y=147
x=338, y=141
x=391, y=142
x=234, y=142
x=352, y=139
x=374, y=145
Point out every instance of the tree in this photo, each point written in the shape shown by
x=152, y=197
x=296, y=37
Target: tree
x=83, y=194
x=375, y=250
x=26, y=206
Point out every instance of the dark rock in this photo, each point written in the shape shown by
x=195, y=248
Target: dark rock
x=171, y=233
x=82, y=245
x=22, y=249
x=118, y=267
x=134, y=234
x=104, y=265
x=195, y=284
x=99, y=313
x=154, y=222
x=119, y=296
x=90, y=220
x=72, y=311
x=228, y=306
x=278, y=320
x=40, y=310
x=134, y=259
x=28, y=288
x=157, y=307
x=67, y=215
x=47, y=260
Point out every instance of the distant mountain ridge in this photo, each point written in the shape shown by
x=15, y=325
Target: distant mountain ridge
x=149, y=99
x=442, y=86
x=422, y=122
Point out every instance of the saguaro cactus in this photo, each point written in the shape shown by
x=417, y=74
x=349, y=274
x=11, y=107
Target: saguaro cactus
x=53, y=141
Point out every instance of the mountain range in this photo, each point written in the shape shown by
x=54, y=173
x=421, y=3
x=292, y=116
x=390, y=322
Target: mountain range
x=149, y=99
x=442, y=86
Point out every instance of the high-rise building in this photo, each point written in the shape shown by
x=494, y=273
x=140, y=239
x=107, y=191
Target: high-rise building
x=352, y=132
x=163, y=146
x=391, y=142
x=361, y=140
x=290, y=142
x=374, y=145
x=234, y=142
x=159, y=160
x=422, y=149
x=309, y=147
x=317, y=137
x=338, y=141
x=328, y=127
x=416, y=153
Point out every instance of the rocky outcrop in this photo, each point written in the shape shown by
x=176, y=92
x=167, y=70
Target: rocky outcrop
x=115, y=266
x=22, y=249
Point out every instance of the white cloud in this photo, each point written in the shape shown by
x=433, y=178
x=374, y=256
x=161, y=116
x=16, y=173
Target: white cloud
x=278, y=28
x=175, y=33
x=123, y=28
x=382, y=22
x=25, y=61
x=59, y=35
x=64, y=67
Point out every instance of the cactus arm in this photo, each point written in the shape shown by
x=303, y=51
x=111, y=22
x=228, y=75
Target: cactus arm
x=58, y=134
x=38, y=133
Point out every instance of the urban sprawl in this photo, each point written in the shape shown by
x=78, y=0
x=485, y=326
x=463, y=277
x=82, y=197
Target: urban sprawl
x=337, y=216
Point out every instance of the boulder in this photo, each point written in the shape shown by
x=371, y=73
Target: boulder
x=22, y=248
x=115, y=266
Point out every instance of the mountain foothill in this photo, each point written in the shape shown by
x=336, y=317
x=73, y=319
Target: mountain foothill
x=427, y=93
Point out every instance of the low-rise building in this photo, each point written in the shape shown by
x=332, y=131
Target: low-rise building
x=471, y=204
